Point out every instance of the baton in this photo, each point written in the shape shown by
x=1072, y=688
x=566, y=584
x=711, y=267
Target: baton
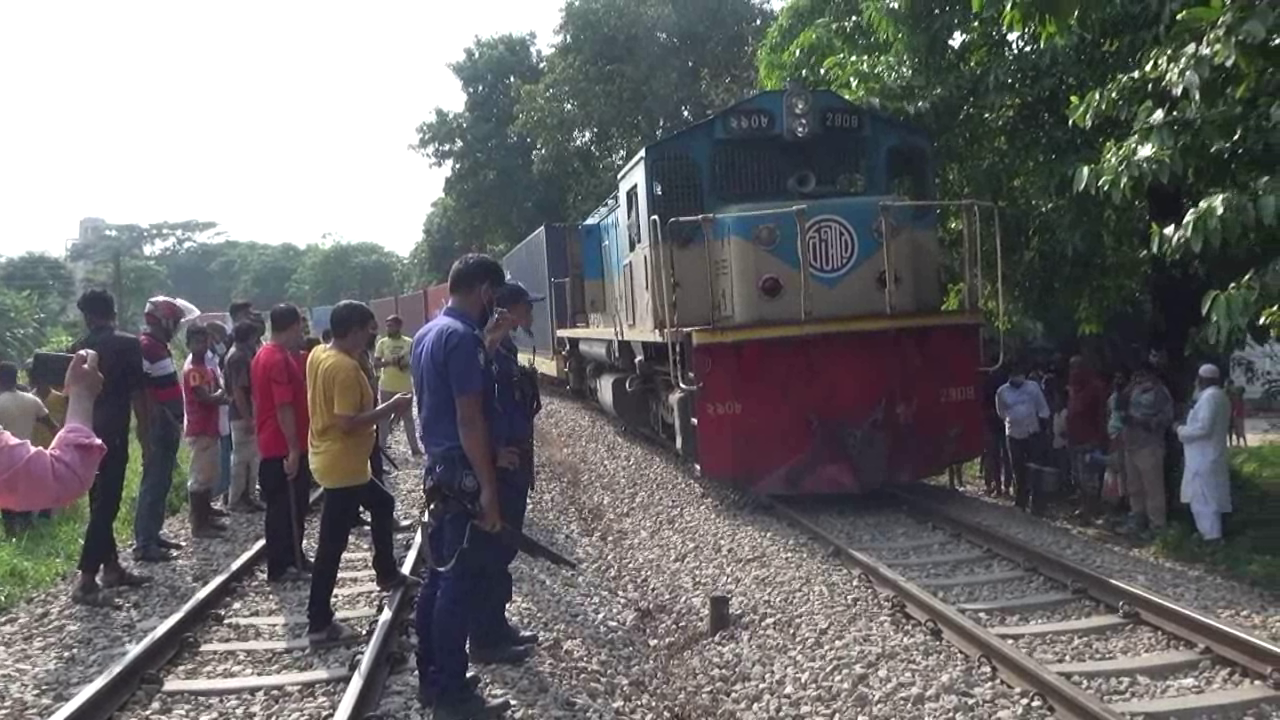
x=516, y=538
x=533, y=548
x=387, y=456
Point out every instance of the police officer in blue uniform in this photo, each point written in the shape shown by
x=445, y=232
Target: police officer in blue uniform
x=454, y=380
x=518, y=401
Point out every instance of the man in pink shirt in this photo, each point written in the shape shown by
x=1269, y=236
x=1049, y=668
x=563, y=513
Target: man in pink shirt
x=33, y=478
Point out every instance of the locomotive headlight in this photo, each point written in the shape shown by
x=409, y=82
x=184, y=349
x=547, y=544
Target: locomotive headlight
x=800, y=103
x=800, y=127
x=770, y=287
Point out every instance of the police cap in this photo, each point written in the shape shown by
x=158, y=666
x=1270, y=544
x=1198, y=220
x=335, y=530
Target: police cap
x=514, y=293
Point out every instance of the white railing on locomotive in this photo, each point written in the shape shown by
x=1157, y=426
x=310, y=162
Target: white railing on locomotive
x=972, y=249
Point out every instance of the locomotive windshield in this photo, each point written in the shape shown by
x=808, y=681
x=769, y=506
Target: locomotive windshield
x=762, y=169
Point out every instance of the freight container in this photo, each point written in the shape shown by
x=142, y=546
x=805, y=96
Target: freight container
x=542, y=264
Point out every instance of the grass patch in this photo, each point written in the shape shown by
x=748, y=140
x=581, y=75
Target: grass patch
x=1251, y=546
x=49, y=551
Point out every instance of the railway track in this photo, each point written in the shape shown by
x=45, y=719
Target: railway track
x=1088, y=646
x=240, y=641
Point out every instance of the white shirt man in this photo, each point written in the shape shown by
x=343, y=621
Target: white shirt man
x=1020, y=403
x=19, y=413
x=1206, y=485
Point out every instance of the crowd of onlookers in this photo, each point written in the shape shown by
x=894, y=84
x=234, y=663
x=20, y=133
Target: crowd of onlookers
x=262, y=404
x=238, y=402
x=1111, y=445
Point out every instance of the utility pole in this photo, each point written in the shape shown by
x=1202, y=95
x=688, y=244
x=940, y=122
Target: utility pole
x=117, y=276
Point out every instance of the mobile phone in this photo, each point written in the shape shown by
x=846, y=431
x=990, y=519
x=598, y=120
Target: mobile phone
x=49, y=368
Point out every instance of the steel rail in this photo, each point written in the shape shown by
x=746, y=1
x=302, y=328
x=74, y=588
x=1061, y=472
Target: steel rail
x=1015, y=666
x=1230, y=643
x=364, y=692
x=100, y=699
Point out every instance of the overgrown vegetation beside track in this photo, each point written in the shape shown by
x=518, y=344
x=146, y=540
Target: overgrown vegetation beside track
x=1251, y=546
x=48, y=552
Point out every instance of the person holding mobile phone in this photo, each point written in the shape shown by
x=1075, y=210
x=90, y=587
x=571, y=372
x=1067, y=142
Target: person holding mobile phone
x=33, y=478
x=20, y=413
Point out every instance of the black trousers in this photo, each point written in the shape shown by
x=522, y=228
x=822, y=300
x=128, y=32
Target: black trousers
x=104, y=504
x=376, y=465
x=341, y=507
x=1021, y=452
x=283, y=525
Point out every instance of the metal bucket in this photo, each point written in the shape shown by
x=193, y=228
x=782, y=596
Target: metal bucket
x=1044, y=478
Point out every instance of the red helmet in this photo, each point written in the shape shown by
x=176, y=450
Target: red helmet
x=167, y=312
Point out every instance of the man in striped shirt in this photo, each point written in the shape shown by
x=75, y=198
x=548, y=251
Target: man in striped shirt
x=164, y=395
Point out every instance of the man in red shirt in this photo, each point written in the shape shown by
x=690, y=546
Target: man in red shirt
x=1086, y=432
x=281, y=420
x=164, y=430
x=203, y=400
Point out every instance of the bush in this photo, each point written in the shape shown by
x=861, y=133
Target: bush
x=1251, y=547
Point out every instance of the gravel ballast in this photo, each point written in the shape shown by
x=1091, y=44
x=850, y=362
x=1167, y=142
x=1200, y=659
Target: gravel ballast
x=54, y=647
x=623, y=637
x=1251, y=609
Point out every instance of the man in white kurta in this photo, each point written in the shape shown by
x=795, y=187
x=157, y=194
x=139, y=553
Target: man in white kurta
x=1206, y=485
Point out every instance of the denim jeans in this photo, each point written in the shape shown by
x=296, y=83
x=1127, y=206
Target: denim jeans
x=224, y=469
x=163, y=438
x=489, y=626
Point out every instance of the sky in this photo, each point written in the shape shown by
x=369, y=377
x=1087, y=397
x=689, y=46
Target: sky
x=279, y=120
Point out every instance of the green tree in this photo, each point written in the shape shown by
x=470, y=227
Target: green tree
x=494, y=196
x=626, y=72
x=123, y=259
x=341, y=270
x=22, y=326
x=429, y=261
x=263, y=273
x=47, y=279
x=1192, y=129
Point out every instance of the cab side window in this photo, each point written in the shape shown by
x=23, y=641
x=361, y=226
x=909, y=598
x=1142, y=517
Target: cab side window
x=633, y=217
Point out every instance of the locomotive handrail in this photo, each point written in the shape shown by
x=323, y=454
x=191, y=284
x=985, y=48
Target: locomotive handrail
x=802, y=249
x=975, y=204
x=888, y=263
x=668, y=301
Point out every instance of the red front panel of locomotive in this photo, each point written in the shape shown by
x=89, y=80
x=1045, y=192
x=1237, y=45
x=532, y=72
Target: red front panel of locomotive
x=843, y=413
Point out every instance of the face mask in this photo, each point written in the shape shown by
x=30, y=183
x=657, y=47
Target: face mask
x=1017, y=381
x=219, y=349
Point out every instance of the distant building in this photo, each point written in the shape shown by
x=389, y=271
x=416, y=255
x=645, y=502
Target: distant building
x=90, y=230
x=1256, y=368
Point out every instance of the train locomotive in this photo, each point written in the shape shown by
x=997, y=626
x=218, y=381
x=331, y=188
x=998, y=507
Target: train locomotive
x=768, y=290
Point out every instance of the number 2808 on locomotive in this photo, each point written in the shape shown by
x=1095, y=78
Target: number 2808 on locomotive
x=777, y=291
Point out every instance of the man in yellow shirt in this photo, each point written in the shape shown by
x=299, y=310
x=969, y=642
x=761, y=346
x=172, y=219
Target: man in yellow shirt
x=391, y=357
x=341, y=437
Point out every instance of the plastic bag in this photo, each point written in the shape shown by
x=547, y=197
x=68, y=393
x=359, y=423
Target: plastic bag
x=1112, y=486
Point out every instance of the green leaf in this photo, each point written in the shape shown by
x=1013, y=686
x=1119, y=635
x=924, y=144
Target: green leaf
x=1207, y=303
x=1082, y=178
x=1267, y=210
x=977, y=5
x=1199, y=16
